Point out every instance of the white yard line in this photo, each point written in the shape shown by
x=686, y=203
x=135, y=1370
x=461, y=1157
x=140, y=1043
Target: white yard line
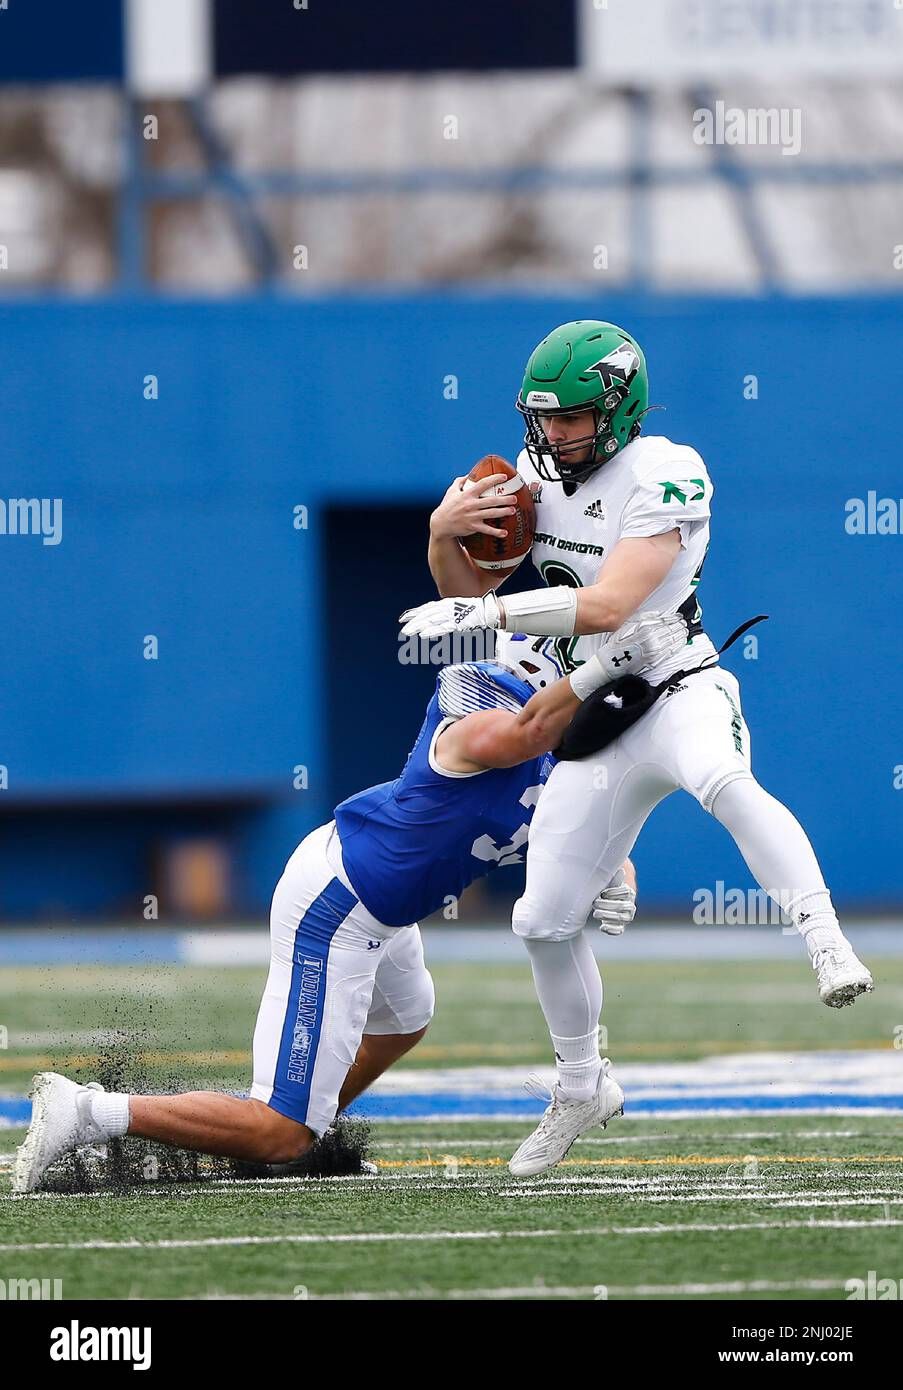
x=671, y=1136
x=690, y=1187
x=778, y=1200
x=594, y=1291
x=397, y=1237
x=587, y=1290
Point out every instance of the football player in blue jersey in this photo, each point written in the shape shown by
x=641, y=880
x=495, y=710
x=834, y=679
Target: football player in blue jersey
x=348, y=992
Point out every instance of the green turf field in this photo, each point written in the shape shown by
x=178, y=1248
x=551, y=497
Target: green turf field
x=194, y=1024
x=787, y=1206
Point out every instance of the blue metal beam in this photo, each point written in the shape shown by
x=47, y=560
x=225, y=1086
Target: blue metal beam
x=250, y=226
x=130, y=212
x=740, y=179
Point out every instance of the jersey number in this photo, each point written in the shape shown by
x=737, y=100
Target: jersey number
x=486, y=849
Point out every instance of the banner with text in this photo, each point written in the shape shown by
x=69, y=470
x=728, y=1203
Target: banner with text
x=651, y=42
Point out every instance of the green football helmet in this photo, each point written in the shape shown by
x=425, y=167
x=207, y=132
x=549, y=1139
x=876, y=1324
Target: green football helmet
x=586, y=365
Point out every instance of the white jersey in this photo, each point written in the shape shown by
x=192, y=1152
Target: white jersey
x=651, y=486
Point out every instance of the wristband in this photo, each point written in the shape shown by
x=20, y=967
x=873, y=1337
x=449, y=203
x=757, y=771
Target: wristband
x=589, y=677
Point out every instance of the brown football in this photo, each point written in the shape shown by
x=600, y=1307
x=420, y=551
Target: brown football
x=503, y=552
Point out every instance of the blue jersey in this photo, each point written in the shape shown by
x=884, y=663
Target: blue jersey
x=410, y=845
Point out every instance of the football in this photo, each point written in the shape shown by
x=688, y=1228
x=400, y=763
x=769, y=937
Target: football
x=503, y=552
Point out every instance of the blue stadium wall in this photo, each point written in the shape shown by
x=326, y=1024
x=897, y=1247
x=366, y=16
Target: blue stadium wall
x=277, y=642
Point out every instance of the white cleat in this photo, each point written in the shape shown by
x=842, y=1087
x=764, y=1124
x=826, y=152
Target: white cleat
x=564, y=1121
x=60, y=1121
x=841, y=975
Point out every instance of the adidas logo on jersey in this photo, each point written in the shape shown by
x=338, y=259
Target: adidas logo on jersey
x=596, y=510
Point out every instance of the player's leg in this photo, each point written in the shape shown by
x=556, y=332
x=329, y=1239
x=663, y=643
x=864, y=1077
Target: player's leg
x=400, y=1012
x=700, y=732
x=262, y=1128
x=324, y=958
x=587, y=821
x=312, y=975
x=579, y=837
x=212, y=1123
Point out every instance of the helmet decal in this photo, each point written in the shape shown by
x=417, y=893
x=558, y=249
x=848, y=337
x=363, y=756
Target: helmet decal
x=621, y=365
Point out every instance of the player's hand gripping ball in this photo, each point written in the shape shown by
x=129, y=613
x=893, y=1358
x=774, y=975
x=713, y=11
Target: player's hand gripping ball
x=504, y=552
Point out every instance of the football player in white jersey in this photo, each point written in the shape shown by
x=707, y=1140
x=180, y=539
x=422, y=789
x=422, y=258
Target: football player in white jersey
x=622, y=523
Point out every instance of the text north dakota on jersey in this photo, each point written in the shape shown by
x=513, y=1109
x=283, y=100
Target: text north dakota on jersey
x=562, y=543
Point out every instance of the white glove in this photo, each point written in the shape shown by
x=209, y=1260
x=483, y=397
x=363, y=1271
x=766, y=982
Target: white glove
x=450, y=615
x=615, y=906
x=643, y=641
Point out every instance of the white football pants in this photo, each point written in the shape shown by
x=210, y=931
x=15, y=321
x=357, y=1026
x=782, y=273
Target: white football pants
x=591, y=811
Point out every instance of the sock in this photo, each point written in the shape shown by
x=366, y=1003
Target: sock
x=110, y=1112
x=578, y=1063
x=816, y=921
x=569, y=990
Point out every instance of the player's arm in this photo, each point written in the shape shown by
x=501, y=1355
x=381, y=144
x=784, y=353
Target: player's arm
x=498, y=738
x=455, y=573
x=632, y=572
x=633, y=569
x=461, y=513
